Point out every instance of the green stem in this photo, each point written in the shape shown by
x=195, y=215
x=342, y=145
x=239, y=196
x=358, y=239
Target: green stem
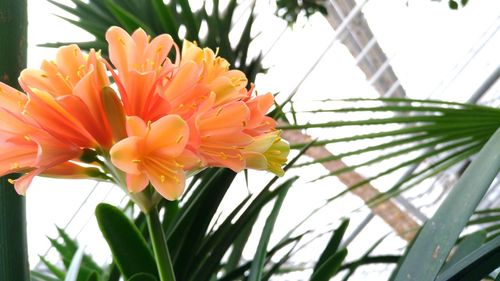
x=160, y=248
x=13, y=245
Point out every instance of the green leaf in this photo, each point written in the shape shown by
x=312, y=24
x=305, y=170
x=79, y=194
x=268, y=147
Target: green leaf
x=93, y=277
x=37, y=276
x=470, y=243
x=142, y=277
x=260, y=254
x=333, y=245
x=453, y=4
x=476, y=265
x=74, y=267
x=126, y=18
x=437, y=237
x=52, y=268
x=130, y=250
x=330, y=267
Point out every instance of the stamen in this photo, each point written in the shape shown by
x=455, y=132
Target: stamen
x=44, y=75
x=121, y=41
x=15, y=166
x=218, y=112
x=162, y=178
x=179, y=139
x=244, y=123
x=11, y=181
x=75, y=52
x=27, y=138
x=136, y=161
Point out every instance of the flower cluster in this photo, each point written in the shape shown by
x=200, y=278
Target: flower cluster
x=164, y=118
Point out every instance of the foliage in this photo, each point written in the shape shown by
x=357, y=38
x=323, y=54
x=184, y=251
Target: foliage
x=157, y=17
x=290, y=10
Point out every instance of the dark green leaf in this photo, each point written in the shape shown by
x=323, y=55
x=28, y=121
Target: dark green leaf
x=478, y=264
x=260, y=255
x=468, y=244
x=439, y=234
x=130, y=250
x=333, y=245
x=330, y=267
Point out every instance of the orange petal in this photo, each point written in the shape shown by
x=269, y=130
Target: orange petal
x=137, y=183
x=11, y=99
x=188, y=160
x=53, y=118
x=120, y=48
x=22, y=183
x=166, y=177
x=127, y=155
x=71, y=63
x=168, y=134
x=136, y=126
x=225, y=119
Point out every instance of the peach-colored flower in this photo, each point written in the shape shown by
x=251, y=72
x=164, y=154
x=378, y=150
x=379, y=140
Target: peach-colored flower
x=155, y=153
x=65, y=97
x=142, y=66
x=201, y=73
x=217, y=133
x=166, y=118
x=26, y=147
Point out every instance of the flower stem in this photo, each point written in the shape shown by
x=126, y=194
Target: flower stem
x=160, y=247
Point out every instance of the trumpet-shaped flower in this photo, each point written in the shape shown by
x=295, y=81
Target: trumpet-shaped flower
x=200, y=74
x=65, y=97
x=155, y=153
x=165, y=119
x=142, y=66
x=267, y=152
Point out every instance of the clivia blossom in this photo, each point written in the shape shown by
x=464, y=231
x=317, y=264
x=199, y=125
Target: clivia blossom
x=158, y=121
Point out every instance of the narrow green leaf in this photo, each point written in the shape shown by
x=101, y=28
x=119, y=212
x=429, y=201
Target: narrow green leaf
x=470, y=243
x=438, y=236
x=333, y=245
x=330, y=267
x=130, y=250
x=37, y=276
x=74, y=267
x=52, y=268
x=475, y=266
x=127, y=20
x=260, y=255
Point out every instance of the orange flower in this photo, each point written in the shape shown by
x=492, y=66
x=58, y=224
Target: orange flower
x=217, y=133
x=25, y=146
x=155, y=153
x=168, y=118
x=65, y=97
x=142, y=66
x=201, y=73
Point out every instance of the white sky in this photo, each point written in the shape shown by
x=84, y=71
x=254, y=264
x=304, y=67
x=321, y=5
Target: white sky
x=426, y=42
